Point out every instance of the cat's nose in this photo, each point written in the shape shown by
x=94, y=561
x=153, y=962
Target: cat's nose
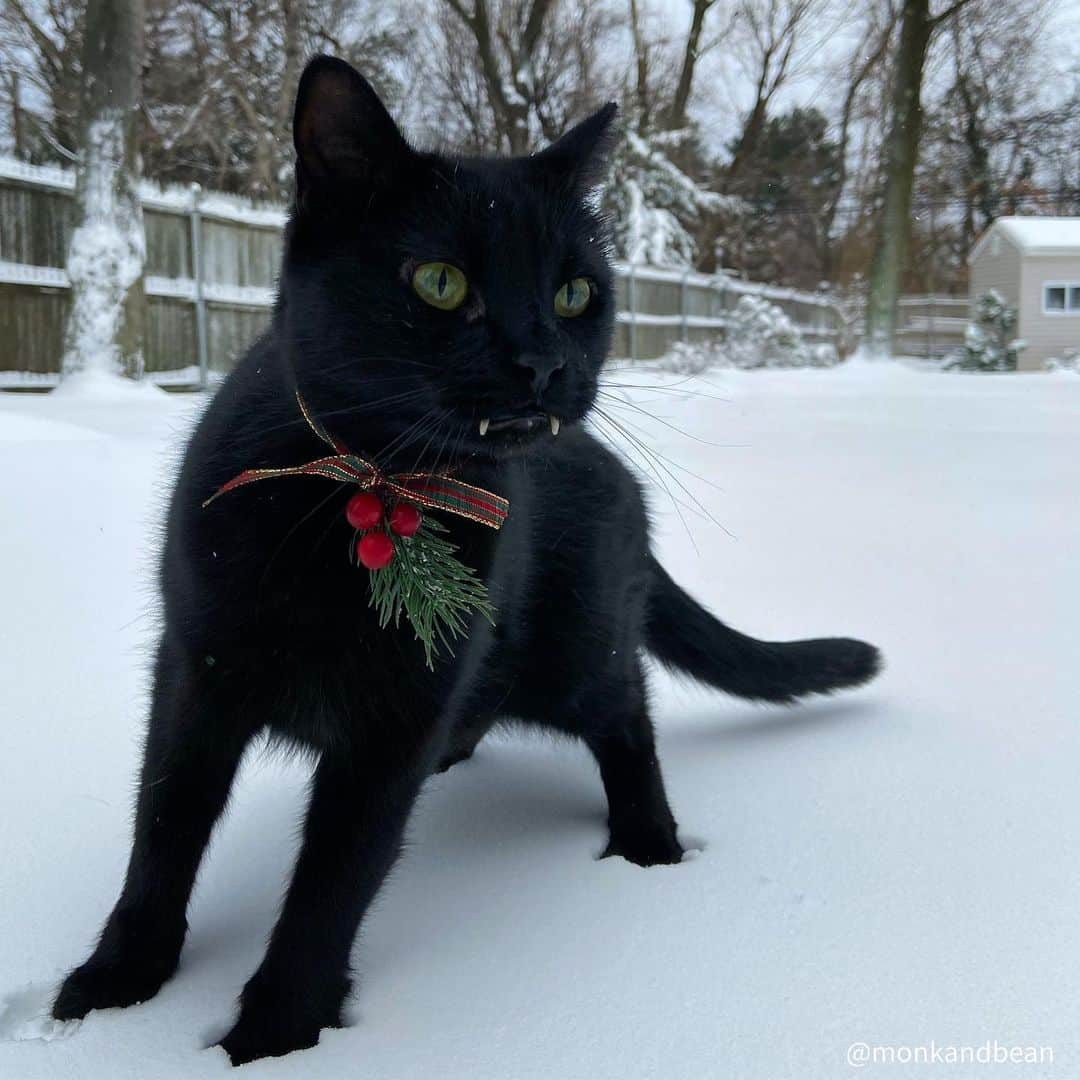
x=540, y=366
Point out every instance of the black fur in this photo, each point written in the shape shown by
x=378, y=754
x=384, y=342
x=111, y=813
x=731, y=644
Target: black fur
x=267, y=626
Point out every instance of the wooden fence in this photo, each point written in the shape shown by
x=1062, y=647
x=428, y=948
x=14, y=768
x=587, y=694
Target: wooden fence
x=931, y=326
x=659, y=307
x=211, y=265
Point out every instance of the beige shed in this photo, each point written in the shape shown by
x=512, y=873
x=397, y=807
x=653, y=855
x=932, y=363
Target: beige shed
x=1034, y=262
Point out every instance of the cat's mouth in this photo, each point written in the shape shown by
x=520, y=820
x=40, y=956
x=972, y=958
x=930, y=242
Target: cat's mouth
x=524, y=422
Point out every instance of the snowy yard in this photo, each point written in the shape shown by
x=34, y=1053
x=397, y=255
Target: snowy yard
x=894, y=866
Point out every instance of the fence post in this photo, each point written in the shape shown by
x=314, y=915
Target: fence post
x=631, y=296
x=931, y=343
x=683, y=325
x=200, y=298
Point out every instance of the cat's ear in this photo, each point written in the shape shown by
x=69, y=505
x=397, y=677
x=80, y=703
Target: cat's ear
x=578, y=160
x=341, y=130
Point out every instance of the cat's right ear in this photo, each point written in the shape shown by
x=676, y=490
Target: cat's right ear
x=342, y=132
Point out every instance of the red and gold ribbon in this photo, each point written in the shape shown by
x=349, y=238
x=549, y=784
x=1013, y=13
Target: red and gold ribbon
x=435, y=490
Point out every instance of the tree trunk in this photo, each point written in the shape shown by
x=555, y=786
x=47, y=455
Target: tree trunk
x=108, y=247
x=18, y=134
x=641, y=58
x=901, y=156
x=293, y=18
x=677, y=113
x=749, y=138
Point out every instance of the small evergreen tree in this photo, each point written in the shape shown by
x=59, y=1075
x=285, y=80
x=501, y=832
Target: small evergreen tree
x=989, y=344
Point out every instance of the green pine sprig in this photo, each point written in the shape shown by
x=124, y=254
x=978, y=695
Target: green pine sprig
x=432, y=588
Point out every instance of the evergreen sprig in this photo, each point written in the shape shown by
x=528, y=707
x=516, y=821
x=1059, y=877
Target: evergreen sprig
x=434, y=589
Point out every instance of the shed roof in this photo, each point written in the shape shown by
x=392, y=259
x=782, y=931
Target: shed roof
x=1036, y=235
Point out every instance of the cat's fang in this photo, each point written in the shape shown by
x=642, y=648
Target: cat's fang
x=484, y=425
x=554, y=422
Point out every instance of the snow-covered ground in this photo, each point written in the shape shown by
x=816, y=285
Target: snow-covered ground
x=897, y=866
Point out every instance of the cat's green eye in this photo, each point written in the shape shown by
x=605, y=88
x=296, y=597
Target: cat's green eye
x=573, y=298
x=440, y=284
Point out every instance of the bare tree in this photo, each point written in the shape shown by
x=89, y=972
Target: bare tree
x=866, y=61
x=41, y=51
x=772, y=31
x=509, y=78
x=105, y=259
x=917, y=27
x=692, y=52
x=509, y=75
x=220, y=80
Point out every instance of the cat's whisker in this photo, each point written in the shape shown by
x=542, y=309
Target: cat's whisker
x=405, y=438
x=292, y=531
x=671, y=461
x=663, y=461
x=360, y=407
x=618, y=402
x=431, y=436
x=664, y=388
x=612, y=433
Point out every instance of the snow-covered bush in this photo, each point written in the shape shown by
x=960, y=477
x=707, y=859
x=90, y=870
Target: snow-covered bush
x=989, y=344
x=692, y=357
x=655, y=208
x=824, y=355
x=1069, y=360
x=758, y=335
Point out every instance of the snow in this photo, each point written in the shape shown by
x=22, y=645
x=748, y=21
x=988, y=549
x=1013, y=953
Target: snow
x=1037, y=235
x=892, y=866
x=12, y=273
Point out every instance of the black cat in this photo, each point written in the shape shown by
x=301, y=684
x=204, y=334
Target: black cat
x=485, y=363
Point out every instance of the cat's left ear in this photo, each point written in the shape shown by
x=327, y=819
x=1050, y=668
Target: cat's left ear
x=578, y=160
x=342, y=131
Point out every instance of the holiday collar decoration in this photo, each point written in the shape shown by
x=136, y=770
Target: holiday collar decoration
x=414, y=568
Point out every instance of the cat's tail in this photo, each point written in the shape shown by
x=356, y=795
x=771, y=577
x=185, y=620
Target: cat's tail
x=685, y=637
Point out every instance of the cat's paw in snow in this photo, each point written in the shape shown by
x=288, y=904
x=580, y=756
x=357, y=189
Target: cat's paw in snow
x=101, y=984
x=645, y=842
x=275, y=1020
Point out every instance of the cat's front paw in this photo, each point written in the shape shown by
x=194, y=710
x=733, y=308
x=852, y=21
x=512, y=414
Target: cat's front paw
x=274, y=1021
x=258, y=1035
x=645, y=842
x=107, y=984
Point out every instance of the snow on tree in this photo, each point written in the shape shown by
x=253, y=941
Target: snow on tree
x=656, y=209
x=989, y=344
x=107, y=252
x=759, y=334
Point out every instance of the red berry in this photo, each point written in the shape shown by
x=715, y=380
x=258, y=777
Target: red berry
x=375, y=550
x=405, y=519
x=364, y=510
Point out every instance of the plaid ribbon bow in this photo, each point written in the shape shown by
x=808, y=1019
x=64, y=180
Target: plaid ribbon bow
x=435, y=490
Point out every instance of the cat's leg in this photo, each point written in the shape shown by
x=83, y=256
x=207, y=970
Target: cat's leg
x=360, y=802
x=618, y=731
x=194, y=743
x=463, y=741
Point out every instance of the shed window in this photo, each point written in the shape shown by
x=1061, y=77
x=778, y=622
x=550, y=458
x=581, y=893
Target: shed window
x=1061, y=298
